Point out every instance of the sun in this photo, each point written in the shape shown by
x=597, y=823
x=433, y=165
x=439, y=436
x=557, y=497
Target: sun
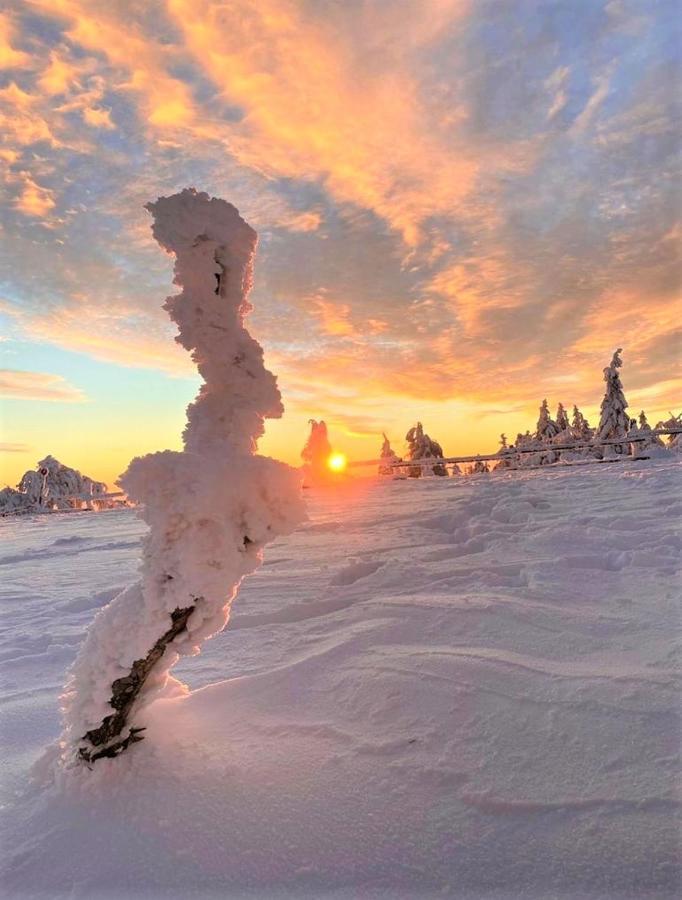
x=337, y=462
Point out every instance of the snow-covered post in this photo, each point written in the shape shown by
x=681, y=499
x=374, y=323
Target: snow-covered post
x=388, y=456
x=211, y=508
x=614, y=422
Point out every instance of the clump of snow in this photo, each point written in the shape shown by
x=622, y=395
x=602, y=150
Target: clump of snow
x=212, y=507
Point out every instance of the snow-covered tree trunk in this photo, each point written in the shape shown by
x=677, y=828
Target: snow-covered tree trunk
x=211, y=508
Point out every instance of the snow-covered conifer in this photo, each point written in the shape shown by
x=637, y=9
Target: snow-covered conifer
x=388, y=456
x=317, y=450
x=506, y=454
x=562, y=418
x=421, y=446
x=211, y=508
x=580, y=427
x=614, y=422
x=546, y=428
x=545, y=432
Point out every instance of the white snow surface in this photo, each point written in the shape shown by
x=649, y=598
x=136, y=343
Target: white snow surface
x=435, y=687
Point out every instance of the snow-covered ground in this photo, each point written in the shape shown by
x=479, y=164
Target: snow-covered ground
x=460, y=688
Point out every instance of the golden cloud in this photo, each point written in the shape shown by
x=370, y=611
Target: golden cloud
x=20, y=385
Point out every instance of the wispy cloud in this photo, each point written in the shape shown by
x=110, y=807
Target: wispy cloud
x=20, y=385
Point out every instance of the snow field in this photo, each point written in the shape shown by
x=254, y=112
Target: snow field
x=461, y=687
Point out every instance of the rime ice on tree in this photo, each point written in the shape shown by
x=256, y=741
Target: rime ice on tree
x=53, y=486
x=580, y=427
x=387, y=456
x=614, y=422
x=421, y=446
x=562, y=418
x=211, y=508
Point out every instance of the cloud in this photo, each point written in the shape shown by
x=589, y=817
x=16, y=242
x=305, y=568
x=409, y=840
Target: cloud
x=461, y=201
x=33, y=200
x=13, y=448
x=19, y=385
x=10, y=58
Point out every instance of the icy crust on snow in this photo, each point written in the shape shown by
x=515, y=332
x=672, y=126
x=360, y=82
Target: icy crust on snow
x=212, y=507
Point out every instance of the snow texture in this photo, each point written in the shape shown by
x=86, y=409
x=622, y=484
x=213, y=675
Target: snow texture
x=463, y=688
x=212, y=507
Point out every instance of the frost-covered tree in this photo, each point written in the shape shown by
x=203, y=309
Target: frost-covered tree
x=546, y=429
x=317, y=450
x=53, y=486
x=506, y=454
x=480, y=467
x=211, y=508
x=545, y=432
x=643, y=442
x=580, y=427
x=614, y=422
x=562, y=418
x=674, y=440
x=421, y=446
x=388, y=456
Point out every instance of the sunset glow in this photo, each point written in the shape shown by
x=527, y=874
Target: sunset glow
x=451, y=225
x=337, y=462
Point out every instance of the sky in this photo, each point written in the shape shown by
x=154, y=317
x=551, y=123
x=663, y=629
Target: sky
x=462, y=207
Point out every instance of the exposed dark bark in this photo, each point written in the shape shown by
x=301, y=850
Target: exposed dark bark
x=124, y=692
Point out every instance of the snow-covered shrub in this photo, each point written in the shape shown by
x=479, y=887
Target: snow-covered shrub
x=211, y=508
x=421, y=446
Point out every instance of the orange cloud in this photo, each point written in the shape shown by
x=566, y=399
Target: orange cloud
x=19, y=385
x=9, y=57
x=33, y=200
